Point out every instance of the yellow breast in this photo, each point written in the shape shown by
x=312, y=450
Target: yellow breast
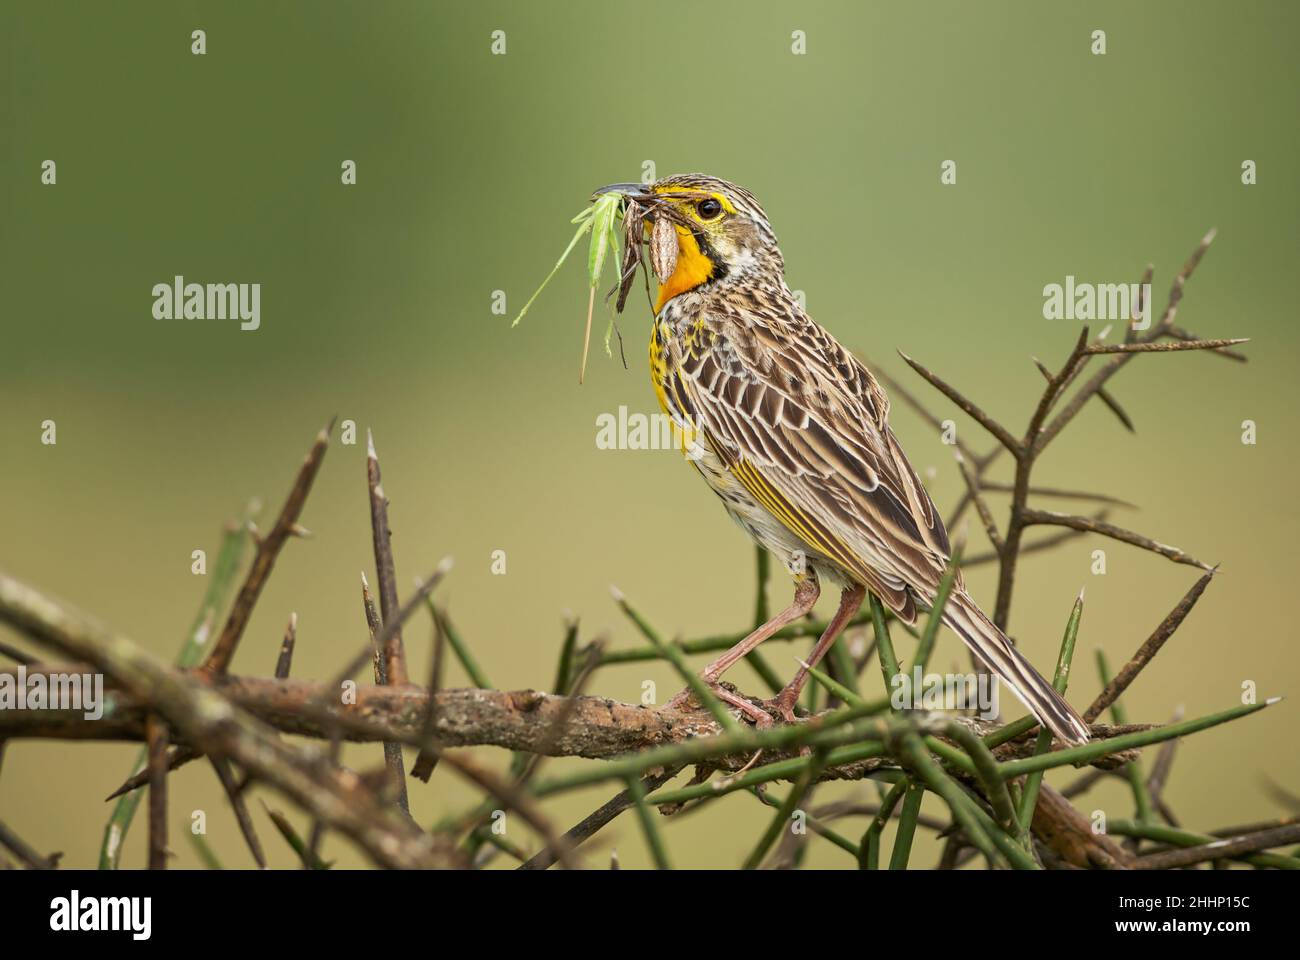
x=659, y=366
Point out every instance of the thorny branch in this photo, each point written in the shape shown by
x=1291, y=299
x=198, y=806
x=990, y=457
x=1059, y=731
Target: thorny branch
x=529, y=721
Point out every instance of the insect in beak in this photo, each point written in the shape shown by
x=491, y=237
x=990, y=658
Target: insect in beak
x=663, y=235
x=663, y=248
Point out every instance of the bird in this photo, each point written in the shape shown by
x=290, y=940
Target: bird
x=792, y=433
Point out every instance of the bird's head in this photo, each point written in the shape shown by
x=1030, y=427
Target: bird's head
x=723, y=235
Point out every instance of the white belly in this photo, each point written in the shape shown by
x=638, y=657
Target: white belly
x=798, y=558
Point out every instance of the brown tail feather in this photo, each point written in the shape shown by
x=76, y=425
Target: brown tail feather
x=996, y=652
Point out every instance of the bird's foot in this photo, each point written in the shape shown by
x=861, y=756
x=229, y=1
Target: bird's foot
x=782, y=706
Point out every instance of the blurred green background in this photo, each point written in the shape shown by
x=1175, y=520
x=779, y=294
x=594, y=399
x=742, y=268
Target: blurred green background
x=376, y=306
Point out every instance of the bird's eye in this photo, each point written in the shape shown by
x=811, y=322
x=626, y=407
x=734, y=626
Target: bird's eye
x=708, y=209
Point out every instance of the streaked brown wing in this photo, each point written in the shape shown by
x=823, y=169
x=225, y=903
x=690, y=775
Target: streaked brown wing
x=803, y=425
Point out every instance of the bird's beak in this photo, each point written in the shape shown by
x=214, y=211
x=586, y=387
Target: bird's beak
x=626, y=189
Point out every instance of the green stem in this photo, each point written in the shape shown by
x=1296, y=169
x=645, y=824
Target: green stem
x=1009, y=847
x=779, y=770
x=902, y=851
x=564, y=669
x=925, y=768
x=1089, y=752
x=204, y=851
x=762, y=561
x=817, y=827
x=837, y=689
x=1060, y=681
x=884, y=644
x=646, y=817
x=986, y=768
x=869, y=849
x=460, y=649
x=784, y=812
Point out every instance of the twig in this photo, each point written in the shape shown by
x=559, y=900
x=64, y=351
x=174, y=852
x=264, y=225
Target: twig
x=1164, y=346
x=396, y=785
x=285, y=661
x=1026, y=454
x=1102, y=395
x=899, y=390
x=14, y=654
x=1055, y=540
x=236, y=796
x=1088, y=525
x=177, y=758
x=981, y=507
x=1181, y=334
x=268, y=549
x=1087, y=781
x=156, y=734
x=427, y=760
x=379, y=640
x=24, y=852
x=1036, y=491
x=393, y=653
x=306, y=855
x=1227, y=848
x=558, y=726
x=968, y=407
x=1163, y=764
x=1069, y=834
x=515, y=800
x=598, y=818
x=1149, y=648
x=1233, y=831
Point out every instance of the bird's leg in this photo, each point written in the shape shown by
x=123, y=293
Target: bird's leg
x=806, y=593
x=850, y=602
